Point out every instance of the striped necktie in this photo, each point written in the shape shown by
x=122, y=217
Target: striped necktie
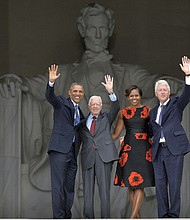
x=160, y=120
x=76, y=116
x=92, y=127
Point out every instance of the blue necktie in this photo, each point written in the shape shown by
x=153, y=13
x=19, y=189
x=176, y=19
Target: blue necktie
x=160, y=120
x=76, y=117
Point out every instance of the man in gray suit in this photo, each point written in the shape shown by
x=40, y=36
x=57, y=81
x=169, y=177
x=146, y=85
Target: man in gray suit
x=98, y=151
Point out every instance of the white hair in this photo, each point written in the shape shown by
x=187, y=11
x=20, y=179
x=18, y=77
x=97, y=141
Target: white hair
x=93, y=97
x=161, y=82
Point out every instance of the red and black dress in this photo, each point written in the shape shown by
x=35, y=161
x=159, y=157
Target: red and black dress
x=134, y=168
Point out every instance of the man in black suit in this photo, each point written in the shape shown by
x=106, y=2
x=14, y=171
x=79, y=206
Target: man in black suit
x=64, y=144
x=98, y=151
x=170, y=144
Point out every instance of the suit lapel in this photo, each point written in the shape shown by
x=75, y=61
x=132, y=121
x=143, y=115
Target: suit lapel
x=83, y=124
x=98, y=123
x=166, y=111
x=81, y=114
x=155, y=110
x=70, y=105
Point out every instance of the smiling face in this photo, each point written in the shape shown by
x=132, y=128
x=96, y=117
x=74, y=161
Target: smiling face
x=134, y=98
x=95, y=105
x=76, y=93
x=162, y=93
x=96, y=33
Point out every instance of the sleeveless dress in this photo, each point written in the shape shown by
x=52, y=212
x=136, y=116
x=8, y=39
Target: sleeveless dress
x=134, y=168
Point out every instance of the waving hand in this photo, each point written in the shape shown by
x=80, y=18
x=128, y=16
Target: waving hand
x=53, y=73
x=108, y=83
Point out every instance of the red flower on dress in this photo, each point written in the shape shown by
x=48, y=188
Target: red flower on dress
x=123, y=159
x=135, y=179
x=149, y=155
x=127, y=147
x=116, y=180
x=128, y=112
x=145, y=112
x=141, y=136
x=122, y=184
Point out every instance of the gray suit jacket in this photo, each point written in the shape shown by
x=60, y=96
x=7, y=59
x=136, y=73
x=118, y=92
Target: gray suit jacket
x=102, y=138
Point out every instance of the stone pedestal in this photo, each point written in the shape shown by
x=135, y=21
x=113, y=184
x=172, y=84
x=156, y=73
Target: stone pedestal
x=10, y=157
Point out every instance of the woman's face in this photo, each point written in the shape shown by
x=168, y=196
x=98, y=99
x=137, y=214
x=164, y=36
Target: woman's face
x=134, y=98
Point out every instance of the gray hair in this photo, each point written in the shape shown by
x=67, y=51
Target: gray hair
x=161, y=82
x=95, y=96
x=95, y=9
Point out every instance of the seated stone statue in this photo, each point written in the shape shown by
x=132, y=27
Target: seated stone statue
x=96, y=25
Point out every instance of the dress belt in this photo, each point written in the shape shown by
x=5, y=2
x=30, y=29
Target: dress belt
x=162, y=144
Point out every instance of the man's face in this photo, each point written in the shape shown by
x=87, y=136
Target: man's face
x=162, y=93
x=96, y=33
x=95, y=106
x=76, y=93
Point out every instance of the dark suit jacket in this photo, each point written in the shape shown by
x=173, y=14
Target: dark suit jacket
x=63, y=132
x=102, y=138
x=174, y=133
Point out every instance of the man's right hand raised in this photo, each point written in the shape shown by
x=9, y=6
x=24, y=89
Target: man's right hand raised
x=53, y=73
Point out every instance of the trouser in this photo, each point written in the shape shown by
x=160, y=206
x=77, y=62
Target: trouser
x=63, y=173
x=102, y=171
x=168, y=170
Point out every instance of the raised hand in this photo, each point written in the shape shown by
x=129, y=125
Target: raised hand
x=185, y=66
x=53, y=73
x=108, y=83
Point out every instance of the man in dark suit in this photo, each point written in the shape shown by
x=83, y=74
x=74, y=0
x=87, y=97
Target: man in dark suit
x=64, y=144
x=98, y=151
x=170, y=144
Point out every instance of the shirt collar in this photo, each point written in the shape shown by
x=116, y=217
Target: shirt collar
x=73, y=102
x=165, y=103
x=91, y=116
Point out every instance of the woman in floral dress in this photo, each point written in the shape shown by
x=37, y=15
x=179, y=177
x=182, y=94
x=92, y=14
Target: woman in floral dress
x=134, y=168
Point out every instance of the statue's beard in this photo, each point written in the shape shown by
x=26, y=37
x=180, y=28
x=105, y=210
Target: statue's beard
x=90, y=45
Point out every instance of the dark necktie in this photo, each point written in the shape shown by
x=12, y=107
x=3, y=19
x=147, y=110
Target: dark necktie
x=161, y=114
x=160, y=119
x=76, y=117
x=92, y=127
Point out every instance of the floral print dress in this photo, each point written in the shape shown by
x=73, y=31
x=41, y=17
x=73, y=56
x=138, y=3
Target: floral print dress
x=134, y=168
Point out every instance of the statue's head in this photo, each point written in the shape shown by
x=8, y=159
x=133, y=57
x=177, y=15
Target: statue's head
x=96, y=25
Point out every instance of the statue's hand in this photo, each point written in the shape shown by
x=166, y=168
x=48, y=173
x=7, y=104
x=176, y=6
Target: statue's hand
x=8, y=85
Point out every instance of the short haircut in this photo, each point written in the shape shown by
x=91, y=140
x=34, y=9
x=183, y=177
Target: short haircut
x=95, y=96
x=161, y=82
x=76, y=84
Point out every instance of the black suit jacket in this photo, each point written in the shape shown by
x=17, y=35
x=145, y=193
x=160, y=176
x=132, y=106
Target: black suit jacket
x=63, y=132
